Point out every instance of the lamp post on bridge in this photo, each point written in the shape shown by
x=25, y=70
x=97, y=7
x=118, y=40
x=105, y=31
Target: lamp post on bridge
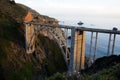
x=80, y=23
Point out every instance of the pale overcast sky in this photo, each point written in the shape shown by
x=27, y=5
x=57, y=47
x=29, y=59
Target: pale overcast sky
x=98, y=12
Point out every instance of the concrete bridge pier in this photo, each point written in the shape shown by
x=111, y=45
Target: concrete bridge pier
x=29, y=38
x=77, y=54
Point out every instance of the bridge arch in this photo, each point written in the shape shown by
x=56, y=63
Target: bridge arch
x=75, y=58
x=53, y=34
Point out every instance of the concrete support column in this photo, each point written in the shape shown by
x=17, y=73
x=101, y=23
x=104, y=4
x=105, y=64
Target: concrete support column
x=77, y=54
x=113, y=47
x=71, y=64
x=79, y=50
x=83, y=42
x=29, y=38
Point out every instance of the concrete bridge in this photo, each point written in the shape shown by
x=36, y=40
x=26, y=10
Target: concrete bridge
x=75, y=57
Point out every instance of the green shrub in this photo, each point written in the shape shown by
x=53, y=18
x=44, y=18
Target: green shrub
x=57, y=76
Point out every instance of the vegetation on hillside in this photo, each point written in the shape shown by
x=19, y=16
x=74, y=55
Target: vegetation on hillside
x=12, y=50
x=105, y=68
x=15, y=64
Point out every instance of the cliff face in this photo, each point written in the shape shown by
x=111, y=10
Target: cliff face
x=15, y=64
x=41, y=18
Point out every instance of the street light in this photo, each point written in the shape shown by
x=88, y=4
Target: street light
x=80, y=23
x=115, y=29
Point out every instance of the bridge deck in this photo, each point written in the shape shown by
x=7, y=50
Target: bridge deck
x=79, y=28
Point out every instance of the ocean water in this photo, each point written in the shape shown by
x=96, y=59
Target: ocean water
x=102, y=47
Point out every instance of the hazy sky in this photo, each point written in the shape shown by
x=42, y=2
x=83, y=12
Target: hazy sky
x=98, y=12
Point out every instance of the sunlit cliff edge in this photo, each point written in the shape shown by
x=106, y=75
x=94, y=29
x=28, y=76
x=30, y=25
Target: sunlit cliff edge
x=15, y=64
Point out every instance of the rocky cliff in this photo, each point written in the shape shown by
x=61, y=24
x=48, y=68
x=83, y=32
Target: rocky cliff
x=15, y=64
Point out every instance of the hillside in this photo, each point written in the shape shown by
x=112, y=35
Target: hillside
x=105, y=68
x=15, y=64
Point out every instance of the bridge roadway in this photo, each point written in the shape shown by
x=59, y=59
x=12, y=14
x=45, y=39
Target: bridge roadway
x=77, y=27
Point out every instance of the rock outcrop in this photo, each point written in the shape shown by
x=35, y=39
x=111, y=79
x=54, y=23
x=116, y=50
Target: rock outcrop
x=15, y=64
